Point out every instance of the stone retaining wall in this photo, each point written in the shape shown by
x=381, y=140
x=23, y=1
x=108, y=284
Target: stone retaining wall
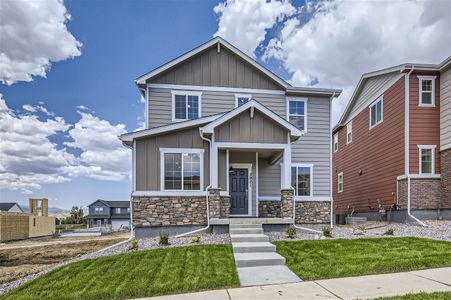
x=312, y=212
x=269, y=209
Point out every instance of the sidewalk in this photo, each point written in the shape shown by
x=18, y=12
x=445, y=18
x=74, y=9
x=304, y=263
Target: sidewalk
x=363, y=287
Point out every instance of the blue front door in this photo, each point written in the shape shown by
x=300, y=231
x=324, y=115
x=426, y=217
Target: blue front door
x=239, y=185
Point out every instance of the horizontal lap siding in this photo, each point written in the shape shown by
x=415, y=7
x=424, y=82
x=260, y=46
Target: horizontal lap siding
x=424, y=123
x=445, y=109
x=314, y=146
x=378, y=153
x=148, y=156
x=269, y=180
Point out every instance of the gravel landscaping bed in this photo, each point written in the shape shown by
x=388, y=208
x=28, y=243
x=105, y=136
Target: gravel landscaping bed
x=143, y=244
x=438, y=230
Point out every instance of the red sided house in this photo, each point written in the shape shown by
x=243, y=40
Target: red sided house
x=392, y=146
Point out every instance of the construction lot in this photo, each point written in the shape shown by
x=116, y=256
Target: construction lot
x=21, y=258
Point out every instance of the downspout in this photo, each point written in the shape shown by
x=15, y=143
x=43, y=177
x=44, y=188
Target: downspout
x=331, y=165
x=206, y=197
x=407, y=145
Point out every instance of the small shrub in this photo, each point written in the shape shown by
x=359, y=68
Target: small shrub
x=133, y=245
x=291, y=232
x=327, y=232
x=164, y=239
x=196, y=239
x=390, y=231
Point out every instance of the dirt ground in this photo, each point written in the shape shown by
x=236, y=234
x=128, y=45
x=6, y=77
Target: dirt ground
x=21, y=258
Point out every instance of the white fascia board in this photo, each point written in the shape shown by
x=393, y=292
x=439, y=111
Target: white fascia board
x=129, y=137
x=168, y=193
x=294, y=131
x=142, y=79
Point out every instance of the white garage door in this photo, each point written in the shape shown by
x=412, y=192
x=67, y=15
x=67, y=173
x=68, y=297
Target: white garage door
x=116, y=224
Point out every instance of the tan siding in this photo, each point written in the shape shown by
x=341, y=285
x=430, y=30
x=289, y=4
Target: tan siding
x=148, y=156
x=445, y=109
x=377, y=153
x=224, y=69
x=259, y=129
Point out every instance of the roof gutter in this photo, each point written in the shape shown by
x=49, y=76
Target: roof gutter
x=407, y=144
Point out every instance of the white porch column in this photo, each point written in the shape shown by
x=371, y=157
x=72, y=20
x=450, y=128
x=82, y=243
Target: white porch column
x=286, y=184
x=214, y=164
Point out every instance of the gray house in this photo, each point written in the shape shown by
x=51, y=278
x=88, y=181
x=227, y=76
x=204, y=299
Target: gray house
x=224, y=131
x=114, y=214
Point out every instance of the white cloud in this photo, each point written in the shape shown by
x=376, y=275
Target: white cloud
x=343, y=39
x=244, y=22
x=33, y=35
x=29, y=158
x=33, y=109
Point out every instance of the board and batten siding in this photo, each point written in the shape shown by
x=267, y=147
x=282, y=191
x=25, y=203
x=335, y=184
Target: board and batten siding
x=148, y=156
x=210, y=68
x=445, y=109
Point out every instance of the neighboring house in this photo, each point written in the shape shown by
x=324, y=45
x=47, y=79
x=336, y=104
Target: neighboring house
x=222, y=127
x=10, y=207
x=392, y=146
x=114, y=214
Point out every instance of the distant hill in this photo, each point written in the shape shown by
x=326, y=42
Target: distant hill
x=52, y=210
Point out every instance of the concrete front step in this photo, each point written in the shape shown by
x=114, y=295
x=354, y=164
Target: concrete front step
x=246, y=230
x=243, y=238
x=242, y=226
x=253, y=247
x=259, y=259
x=252, y=276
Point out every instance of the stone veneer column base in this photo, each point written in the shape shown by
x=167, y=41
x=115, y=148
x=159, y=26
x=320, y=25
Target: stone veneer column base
x=214, y=202
x=312, y=212
x=286, y=203
x=269, y=209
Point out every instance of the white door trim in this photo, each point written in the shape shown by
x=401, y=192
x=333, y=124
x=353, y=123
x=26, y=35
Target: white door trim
x=249, y=185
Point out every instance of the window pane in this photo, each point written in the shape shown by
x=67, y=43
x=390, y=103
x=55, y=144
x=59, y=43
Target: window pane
x=296, y=108
x=180, y=107
x=426, y=98
x=379, y=111
x=172, y=171
x=426, y=85
x=242, y=100
x=373, y=115
x=297, y=121
x=426, y=161
x=293, y=179
x=303, y=181
x=193, y=107
x=191, y=171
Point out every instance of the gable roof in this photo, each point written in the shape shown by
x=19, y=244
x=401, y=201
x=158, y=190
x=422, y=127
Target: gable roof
x=253, y=104
x=6, y=206
x=399, y=69
x=112, y=203
x=214, y=41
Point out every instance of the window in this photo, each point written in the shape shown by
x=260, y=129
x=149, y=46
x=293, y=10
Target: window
x=182, y=169
x=377, y=112
x=427, y=159
x=128, y=210
x=302, y=180
x=336, y=142
x=427, y=90
x=349, y=133
x=340, y=182
x=241, y=99
x=186, y=105
x=99, y=210
x=297, y=112
x=118, y=210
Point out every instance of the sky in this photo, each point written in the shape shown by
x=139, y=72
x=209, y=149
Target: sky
x=67, y=72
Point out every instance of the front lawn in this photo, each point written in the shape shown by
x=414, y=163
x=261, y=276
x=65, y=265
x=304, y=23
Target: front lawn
x=421, y=296
x=137, y=274
x=312, y=260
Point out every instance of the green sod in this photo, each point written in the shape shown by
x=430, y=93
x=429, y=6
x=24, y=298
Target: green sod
x=421, y=296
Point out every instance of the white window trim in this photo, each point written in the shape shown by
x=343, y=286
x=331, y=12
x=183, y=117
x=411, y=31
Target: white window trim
x=420, y=167
x=186, y=93
x=342, y=182
x=249, y=96
x=297, y=165
x=336, y=142
x=303, y=99
x=420, y=91
x=381, y=99
x=249, y=184
x=182, y=151
x=349, y=125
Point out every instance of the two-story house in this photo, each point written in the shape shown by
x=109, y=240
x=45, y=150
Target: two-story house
x=227, y=138
x=392, y=146
x=113, y=214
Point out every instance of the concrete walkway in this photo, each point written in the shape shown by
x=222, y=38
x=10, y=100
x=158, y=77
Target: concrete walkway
x=363, y=287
